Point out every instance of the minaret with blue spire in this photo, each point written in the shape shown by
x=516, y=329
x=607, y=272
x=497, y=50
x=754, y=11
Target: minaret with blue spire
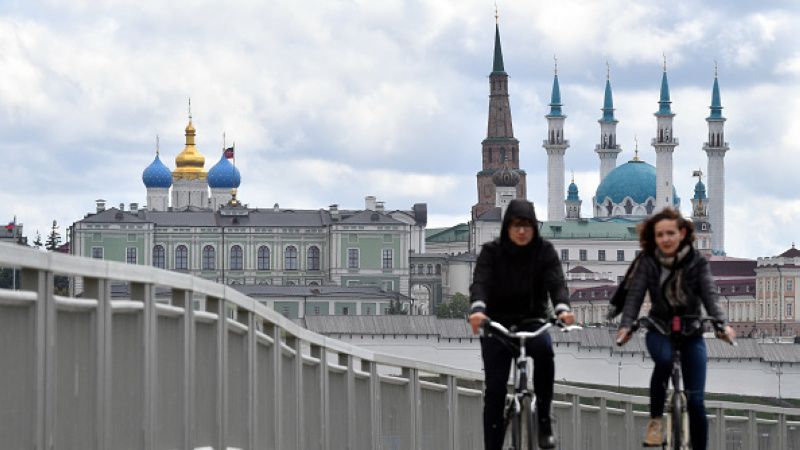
x=607, y=149
x=500, y=148
x=573, y=201
x=157, y=178
x=664, y=144
x=715, y=148
x=555, y=145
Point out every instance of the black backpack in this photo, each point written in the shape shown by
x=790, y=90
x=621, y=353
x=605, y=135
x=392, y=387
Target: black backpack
x=617, y=302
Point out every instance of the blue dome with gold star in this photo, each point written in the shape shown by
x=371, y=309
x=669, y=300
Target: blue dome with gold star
x=157, y=175
x=224, y=174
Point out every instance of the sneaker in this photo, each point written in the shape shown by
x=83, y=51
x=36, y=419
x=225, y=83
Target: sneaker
x=654, y=437
x=545, y=432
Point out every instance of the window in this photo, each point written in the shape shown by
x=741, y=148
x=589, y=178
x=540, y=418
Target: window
x=263, y=258
x=316, y=310
x=159, y=257
x=564, y=254
x=430, y=270
x=582, y=255
x=130, y=255
x=788, y=310
x=420, y=269
x=313, y=258
x=209, y=258
x=237, y=258
x=352, y=258
x=411, y=269
x=788, y=285
x=438, y=269
x=97, y=252
x=290, y=258
x=620, y=255
x=601, y=255
x=346, y=311
x=387, y=258
x=181, y=258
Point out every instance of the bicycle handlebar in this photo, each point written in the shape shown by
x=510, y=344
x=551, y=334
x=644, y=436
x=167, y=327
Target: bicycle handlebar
x=488, y=323
x=718, y=325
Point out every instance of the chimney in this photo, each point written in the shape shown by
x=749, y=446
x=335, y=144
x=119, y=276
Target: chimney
x=379, y=207
x=134, y=207
x=369, y=203
x=276, y=207
x=334, y=211
x=101, y=205
x=122, y=206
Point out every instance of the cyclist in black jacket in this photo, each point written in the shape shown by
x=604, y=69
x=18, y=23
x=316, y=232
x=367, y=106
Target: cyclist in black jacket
x=516, y=278
x=679, y=281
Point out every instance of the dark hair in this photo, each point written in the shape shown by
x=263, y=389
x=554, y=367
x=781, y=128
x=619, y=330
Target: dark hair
x=647, y=229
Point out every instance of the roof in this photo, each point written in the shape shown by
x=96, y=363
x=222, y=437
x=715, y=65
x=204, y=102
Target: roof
x=497, y=66
x=579, y=269
x=456, y=233
x=622, y=230
x=791, y=253
x=732, y=267
x=370, y=217
x=601, y=293
x=608, y=105
x=312, y=292
x=113, y=215
x=555, y=100
x=635, y=179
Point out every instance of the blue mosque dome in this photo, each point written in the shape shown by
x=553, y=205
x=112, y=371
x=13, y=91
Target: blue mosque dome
x=572, y=192
x=157, y=175
x=224, y=174
x=699, y=191
x=635, y=179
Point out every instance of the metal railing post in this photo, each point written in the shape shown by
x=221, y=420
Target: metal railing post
x=252, y=381
x=294, y=343
x=752, y=430
x=218, y=306
x=415, y=404
x=630, y=427
x=144, y=294
x=576, y=420
x=99, y=289
x=452, y=413
x=350, y=384
x=375, y=402
x=41, y=282
x=183, y=298
x=275, y=334
x=719, y=424
x=603, y=413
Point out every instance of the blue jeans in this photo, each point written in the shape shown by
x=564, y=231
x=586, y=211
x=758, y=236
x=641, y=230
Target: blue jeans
x=693, y=366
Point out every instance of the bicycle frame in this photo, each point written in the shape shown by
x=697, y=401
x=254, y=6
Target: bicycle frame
x=522, y=402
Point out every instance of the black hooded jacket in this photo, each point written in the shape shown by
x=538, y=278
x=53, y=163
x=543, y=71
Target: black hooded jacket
x=514, y=285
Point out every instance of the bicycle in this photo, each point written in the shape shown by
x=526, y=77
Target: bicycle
x=521, y=405
x=677, y=437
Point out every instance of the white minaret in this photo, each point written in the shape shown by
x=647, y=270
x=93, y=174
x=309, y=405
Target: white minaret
x=607, y=149
x=664, y=144
x=555, y=145
x=715, y=148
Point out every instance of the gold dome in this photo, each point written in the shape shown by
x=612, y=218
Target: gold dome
x=189, y=163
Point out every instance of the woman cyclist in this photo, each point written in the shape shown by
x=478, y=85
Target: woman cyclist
x=679, y=281
x=516, y=277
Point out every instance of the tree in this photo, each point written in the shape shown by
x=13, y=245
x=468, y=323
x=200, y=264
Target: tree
x=396, y=307
x=457, y=308
x=38, y=241
x=54, y=238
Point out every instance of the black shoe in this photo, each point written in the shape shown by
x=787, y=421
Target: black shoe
x=545, y=432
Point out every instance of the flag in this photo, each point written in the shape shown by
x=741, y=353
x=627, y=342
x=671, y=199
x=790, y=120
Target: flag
x=697, y=173
x=229, y=153
x=10, y=226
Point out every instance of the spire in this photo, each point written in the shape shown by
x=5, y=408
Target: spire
x=498, y=52
x=555, y=97
x=716, y=104
x=608, y=101
x=664, y=102
x=636, y=148
x=189, y=163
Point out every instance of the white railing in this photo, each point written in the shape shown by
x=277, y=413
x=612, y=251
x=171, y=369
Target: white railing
x=213, y=368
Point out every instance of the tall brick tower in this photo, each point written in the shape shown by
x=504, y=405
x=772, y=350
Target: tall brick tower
x=500, y=148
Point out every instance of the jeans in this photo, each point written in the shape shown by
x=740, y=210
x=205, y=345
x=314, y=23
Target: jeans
x=693, y=367
x=497, y=358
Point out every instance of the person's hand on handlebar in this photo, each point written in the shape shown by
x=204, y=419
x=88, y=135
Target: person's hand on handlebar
x=623, y=336
x=728, y=334
x=475, y=321
x=567, y=317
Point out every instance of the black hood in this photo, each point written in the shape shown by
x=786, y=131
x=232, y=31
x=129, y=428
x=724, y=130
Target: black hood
x=524, y=210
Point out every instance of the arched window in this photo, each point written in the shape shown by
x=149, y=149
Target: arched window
x=237, y=258
x=209, y=258
x=420, y=269
x=159, y=257
x=430, y=269
x=181, y=258
x=438, y=269
x=313, y=258
x=290, y=258
x=263, y=258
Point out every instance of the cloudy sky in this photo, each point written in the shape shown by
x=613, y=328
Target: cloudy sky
x=332, y=100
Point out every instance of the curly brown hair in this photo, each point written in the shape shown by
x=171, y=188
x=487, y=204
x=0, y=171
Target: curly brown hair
x=647, y=229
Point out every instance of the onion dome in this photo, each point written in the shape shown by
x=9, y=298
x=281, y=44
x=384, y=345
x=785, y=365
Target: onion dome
x=157, y=175
x=224, y=174
x=189, y=163
x=699, y=191
x=572, y=192
x=506, y=177
x=635, y=179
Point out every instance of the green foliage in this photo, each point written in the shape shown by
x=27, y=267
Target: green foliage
x=457, y=308
x=53, y=239
x=396, y=308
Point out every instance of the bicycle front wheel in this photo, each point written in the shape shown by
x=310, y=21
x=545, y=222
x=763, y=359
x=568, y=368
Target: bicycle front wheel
x=676, y=415
x=529, y=441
